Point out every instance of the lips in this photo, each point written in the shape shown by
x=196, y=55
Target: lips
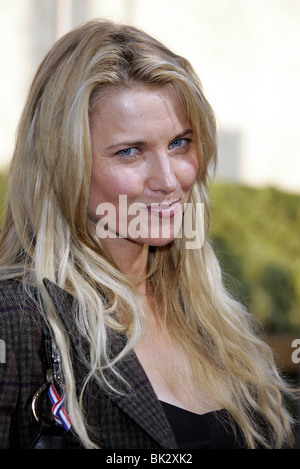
x=164, y=209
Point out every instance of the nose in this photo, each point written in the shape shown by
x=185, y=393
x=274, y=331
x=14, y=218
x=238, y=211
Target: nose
x=162, y=176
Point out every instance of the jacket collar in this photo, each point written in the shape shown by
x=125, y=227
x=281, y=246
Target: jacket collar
x=141, y=402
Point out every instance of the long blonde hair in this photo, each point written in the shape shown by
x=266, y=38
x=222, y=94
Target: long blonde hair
x=48, y=233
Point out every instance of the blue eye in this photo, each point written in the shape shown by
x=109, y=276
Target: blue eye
x=128, y=152
x=180, y=142
x=177, y=143
x=125, y=152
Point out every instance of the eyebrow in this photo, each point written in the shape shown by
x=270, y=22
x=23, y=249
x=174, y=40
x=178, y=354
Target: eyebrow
x=183, y=134
x=135, y=143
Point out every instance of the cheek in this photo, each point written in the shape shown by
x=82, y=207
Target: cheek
x=187, y=173
x=108, y=183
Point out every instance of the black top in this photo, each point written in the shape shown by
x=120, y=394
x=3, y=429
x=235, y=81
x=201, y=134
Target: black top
x=212, y=430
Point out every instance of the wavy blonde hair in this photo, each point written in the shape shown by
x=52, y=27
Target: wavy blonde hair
x=48, y=232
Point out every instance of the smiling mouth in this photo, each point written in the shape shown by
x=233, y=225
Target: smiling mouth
x=164, y=210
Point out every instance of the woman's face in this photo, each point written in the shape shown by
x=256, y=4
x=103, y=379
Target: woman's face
x=143, y=150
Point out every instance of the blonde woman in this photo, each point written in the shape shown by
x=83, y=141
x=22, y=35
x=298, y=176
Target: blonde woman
x=108, y=177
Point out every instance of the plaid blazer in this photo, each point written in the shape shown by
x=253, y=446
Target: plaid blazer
x=131, y=421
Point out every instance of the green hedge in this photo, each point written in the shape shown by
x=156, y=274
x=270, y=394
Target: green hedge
x=256, y=235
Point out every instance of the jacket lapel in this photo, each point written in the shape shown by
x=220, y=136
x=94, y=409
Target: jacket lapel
x=139, y=401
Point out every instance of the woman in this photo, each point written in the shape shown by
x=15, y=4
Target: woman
x=154, y=353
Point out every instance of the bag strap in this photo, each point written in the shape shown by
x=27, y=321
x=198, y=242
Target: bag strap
x=53, y=386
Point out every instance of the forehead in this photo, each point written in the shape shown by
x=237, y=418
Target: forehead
x=139, y=106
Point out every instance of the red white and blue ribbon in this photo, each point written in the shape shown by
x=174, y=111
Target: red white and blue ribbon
x=58, y=411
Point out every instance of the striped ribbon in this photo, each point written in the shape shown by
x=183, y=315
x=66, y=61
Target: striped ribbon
x=60, y=415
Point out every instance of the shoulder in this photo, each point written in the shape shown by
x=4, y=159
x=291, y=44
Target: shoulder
x=13, y=292
x=19, y=315
x=21, y=331
x=23, y=364
x=15, y=296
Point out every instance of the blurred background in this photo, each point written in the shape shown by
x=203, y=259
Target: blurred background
x=247, y=54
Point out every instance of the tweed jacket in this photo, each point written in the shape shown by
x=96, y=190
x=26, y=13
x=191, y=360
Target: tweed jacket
x=131, y=421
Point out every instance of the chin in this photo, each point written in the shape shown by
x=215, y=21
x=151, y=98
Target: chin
x=157, y=242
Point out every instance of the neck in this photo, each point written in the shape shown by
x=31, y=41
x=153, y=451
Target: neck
x=132, y=259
